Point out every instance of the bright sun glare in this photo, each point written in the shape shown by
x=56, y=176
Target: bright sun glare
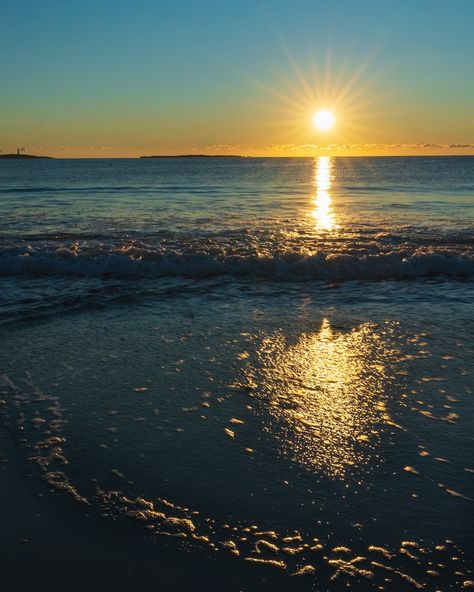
x=323, y=120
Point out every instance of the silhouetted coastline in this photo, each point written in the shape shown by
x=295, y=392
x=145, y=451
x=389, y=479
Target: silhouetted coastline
x=21, y=156
x=195, y=156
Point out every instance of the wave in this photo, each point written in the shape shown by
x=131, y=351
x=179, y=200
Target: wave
x=290, y=266
x=113, y=189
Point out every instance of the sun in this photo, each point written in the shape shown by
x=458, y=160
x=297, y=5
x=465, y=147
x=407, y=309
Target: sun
x=323, y=120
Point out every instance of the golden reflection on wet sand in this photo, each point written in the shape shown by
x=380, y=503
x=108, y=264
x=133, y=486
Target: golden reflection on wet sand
x=325, y=395
x=323, y=212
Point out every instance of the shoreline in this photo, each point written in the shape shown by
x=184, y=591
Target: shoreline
x=50, y=542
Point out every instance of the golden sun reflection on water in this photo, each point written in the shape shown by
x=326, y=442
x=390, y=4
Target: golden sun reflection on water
x=323, y=212
x=325, y=395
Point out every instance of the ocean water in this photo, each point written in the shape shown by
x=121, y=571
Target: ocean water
x=269, y=360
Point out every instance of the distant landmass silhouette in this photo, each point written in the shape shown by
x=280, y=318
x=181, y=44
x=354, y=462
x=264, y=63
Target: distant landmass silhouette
x=195, y=156
x=16, y=156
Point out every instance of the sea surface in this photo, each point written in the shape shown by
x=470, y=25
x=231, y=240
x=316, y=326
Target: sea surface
x=265, y=361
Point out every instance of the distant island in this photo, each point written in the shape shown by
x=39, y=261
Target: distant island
x=195, y=156
x=16, y=156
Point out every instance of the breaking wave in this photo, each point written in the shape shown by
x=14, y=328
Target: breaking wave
x=323, y=265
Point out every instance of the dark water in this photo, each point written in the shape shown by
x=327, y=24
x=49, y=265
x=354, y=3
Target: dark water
x=266, y=359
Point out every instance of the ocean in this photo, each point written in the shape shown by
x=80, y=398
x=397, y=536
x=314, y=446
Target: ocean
x=261, y=366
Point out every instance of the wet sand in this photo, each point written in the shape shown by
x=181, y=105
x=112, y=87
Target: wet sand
x=137, y=476
x=48, y=543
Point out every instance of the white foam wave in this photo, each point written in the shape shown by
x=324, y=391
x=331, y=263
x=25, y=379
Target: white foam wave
x=282, y=266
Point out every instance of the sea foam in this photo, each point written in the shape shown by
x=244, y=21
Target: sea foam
x=289, y=266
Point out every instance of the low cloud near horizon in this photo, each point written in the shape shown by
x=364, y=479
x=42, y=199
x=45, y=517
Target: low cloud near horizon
x=289, y=149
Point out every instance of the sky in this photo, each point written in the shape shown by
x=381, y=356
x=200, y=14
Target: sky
x=123, y=78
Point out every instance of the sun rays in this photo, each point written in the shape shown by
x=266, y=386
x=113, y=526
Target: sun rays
x=311, y=99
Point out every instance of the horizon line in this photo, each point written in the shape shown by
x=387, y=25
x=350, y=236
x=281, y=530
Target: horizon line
x=243, y=156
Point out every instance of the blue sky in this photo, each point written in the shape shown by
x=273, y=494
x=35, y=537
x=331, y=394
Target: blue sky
x=147, y=76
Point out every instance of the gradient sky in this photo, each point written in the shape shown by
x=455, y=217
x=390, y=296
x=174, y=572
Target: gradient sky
x=124, y=78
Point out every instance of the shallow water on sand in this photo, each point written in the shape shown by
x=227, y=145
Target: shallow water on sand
x=277, y=438
x=320, y=427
